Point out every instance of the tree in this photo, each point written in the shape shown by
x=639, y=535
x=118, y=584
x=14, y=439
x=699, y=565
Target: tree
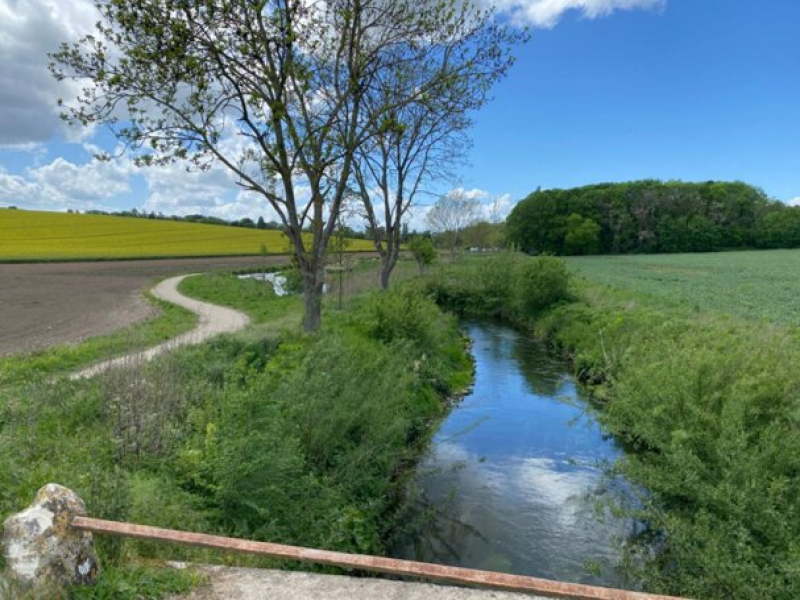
x=261, y=223
x=424, y=139
x=274, y=90
x=640, y=216
x=423, y=251
x=485, y=235
x=582, y=235
x=451, y=214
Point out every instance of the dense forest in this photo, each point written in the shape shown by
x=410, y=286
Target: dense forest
x=652, y=216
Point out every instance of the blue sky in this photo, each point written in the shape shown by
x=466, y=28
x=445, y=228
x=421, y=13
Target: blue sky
x=701, y=89
x=606, y=90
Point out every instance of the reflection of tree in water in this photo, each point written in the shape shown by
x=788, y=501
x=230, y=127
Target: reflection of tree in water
x=437, y=534
x=493, y=341
x=544, y=374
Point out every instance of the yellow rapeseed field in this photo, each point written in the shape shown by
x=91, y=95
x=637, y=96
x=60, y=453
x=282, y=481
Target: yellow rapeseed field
x=36, y=235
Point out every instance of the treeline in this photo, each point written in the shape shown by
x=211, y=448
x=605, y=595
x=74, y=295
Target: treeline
x=197, y=218
x=652, y=216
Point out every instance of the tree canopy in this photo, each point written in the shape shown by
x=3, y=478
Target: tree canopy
x=275, y=90
x=651, y=216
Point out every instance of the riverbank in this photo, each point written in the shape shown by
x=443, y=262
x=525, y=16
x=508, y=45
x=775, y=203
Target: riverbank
x=270, y=434
x=705, y=404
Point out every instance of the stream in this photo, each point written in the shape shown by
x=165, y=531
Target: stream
x=514, y=473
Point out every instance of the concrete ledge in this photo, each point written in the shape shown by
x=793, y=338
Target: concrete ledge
x=227, y=583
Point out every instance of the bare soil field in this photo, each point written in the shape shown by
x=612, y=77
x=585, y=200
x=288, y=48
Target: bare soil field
x=47, y=304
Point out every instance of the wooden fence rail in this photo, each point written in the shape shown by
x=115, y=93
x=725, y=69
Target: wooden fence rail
x=406, y=568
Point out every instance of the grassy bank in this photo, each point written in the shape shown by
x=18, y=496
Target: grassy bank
x=705, y=402
x=268, y=435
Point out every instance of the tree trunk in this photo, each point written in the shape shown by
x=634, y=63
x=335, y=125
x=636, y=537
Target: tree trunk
x=313, y=282
x=388, y=261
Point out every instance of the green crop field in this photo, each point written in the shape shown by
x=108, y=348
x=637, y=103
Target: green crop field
x=754, y=284
x=35, y=235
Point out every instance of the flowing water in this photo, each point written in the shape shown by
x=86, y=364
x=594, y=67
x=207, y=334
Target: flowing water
x=514, y=474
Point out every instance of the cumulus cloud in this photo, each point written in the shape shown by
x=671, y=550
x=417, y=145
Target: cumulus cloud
x=96, y=180
x=175, y=191
x=793, y=201
x=547, y=13
x=29, y=29
x=61, y=184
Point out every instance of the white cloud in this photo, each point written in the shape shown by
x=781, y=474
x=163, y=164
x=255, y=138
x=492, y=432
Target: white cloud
x=95, y=180
x=547, y=13
x=793, y=201
x=29, y=29
x=473, y=194
x=61, y=184
x=493, y=207
x=176, y=191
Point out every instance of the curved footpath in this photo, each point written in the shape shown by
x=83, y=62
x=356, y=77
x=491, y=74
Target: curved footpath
x=213, y=321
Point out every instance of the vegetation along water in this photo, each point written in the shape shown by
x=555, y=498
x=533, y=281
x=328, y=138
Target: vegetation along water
x=703, y=401
x=268, y=435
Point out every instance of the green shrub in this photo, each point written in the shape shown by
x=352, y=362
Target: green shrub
x=506, y=285
x=423, y=251
x=707, y=408
x=539, y=283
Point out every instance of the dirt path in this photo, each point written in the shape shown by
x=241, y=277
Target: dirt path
x=213, y=321
x=49, y=304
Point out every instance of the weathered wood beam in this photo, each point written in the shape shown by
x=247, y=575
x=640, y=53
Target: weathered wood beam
x=406, y=568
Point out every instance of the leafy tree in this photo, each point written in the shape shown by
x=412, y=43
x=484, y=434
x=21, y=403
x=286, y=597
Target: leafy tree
x=484, y=234
x=582, y=235
x=274, y=90
x=261, y=223
x=780, y=229
x=640, y=216
x=421, y=141
x=704, y=236
x=423, y=251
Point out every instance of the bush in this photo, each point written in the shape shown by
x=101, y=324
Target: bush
x=507, y=285
x=423, y=251
x=538, y=284
x=706, y=407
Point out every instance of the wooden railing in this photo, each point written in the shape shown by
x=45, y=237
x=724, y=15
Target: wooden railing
x=406, y=568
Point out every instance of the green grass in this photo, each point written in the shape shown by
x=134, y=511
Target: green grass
x=255, y=298
x=138, y=583
x=42, y=236
x=755, y=284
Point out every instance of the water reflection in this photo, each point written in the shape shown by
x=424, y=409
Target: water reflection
x=514, y=472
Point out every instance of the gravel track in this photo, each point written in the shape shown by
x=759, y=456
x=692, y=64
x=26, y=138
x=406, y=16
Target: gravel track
x=214, y=320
